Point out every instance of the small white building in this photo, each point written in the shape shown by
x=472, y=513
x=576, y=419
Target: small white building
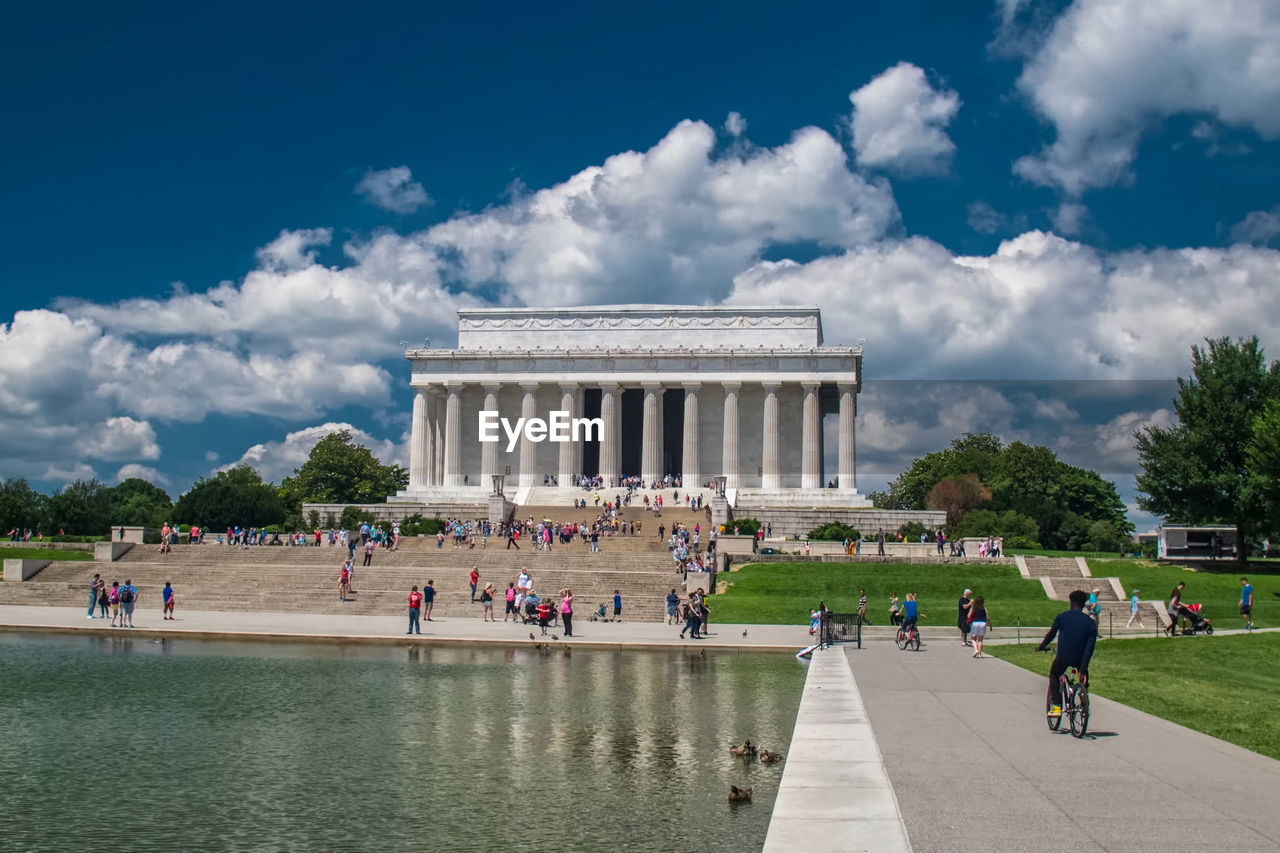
x=1196, y=543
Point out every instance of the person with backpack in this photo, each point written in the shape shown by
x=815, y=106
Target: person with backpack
x=128, y=598
x=113, y=595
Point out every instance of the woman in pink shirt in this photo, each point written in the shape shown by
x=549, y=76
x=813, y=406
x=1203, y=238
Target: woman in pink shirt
x=566, y=611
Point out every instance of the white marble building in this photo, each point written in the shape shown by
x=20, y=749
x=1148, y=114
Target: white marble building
x=691, y=392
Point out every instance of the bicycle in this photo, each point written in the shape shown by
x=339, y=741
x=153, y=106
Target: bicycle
x=1075, y=704
x=905, y=639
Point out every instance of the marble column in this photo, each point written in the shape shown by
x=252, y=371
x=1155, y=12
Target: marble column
x=489, y=449
x=610, y=397
x=453, y=435
x=770, y=476
x=419, y=443
x=528, y=449
x=729, y=459
x=568, y=403
x=435, y=409
x=651, y=448
x=848, y=412
x=811, y=440
x=690, y=476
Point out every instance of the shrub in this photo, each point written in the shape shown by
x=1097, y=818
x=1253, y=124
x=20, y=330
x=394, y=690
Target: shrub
x=353, y=517
x=834, y=532
x=414, y=524
x=912, y=531
x=745, y=526
x=66, y=537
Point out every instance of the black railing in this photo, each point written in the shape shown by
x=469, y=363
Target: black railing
x=840, y=628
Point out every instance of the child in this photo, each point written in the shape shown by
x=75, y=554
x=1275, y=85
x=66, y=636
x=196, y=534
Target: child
x=544, y=615
x=617, y=606
x=167, y=597
x=813, y=622
x=895, y=617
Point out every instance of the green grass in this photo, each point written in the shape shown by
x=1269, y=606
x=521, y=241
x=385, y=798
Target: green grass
x=784, y=593
x=1222, y=686
x=43, y=554
x=1215, y=585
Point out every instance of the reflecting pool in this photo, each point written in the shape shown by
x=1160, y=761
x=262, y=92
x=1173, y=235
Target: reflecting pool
x=116, y=743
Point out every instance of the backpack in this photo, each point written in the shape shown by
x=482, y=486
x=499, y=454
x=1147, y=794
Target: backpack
x=126, y=595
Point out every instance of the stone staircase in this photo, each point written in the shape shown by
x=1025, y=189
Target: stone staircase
x=304, y=579
x=1063, y=575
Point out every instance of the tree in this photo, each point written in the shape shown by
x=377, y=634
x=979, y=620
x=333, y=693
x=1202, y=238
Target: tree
x=137, y=502
x=81, y=508
x=956, y=496
x=20, y=506
x=343, y=472
x=1017, y=530
x=1263, y=456
x=231, y=498
x=1197, y=471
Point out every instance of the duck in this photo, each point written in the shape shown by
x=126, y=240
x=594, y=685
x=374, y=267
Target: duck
x=744, y=750
x=767, y=757
x=739, y=795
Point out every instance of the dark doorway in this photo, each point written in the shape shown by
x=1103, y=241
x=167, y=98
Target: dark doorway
x=673, y=431
x=591, y=449
x=632, y=431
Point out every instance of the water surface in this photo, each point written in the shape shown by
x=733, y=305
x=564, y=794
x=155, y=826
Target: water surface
x=115, y=743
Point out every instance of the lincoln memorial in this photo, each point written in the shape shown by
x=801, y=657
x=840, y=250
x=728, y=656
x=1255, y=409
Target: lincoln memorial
x=683, y=392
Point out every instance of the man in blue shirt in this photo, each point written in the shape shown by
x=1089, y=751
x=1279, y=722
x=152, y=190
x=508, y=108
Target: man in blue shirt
x=1077, y=635
x=617, y=606
x=1246, y=603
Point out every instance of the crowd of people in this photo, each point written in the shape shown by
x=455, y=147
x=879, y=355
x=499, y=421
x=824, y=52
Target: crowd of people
x=119, y=600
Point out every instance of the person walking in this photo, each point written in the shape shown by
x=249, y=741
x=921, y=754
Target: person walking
x=1246, y=603
x=369, y=547
x=978, y=624
x=673, y=602
x=1134, y=613
x=962, y=618
x=511, y=537
x=95, y=586
x=166, y=596
x=428, y=598
x=880, y=543
x=344, y=581
x=113, y=595
x=415, y=612
x=104, y=601
x=486, y=600
x=511, y=604
x=566, y=611
x=474, y=579
x=862, y=607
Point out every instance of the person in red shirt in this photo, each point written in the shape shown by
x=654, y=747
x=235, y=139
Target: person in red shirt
x=475, y=578
x=344, y=582
x=415, y=610
x=544, y=616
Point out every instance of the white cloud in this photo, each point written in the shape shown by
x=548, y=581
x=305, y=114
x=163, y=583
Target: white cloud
x=393, y=189
x=735, y=125
x=142, y=472
x=121, y=438
x=293, y=250
x=899, y=122
x=985, y=219
x=1041, y=306
x=1110, y=70
x=1259, y=227
x=275, y=460
x=1115, y=438
x=1068, y=218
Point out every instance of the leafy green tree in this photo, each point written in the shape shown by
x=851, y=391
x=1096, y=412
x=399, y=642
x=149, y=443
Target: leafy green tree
x=230, y=498
x=1018, y=530
x=834, y=532
x=20, y=506
x=340, y=471
x=81, y=508
x=1197, y=472
x=353, y=517
x=1264, y=462
x=138, y=502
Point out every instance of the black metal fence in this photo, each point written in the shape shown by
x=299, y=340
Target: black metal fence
x=840, y=628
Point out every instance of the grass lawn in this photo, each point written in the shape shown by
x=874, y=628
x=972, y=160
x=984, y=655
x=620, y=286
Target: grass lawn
x=43, y=554
x=1222, y=686
x=1215, y=585
x=784, y=593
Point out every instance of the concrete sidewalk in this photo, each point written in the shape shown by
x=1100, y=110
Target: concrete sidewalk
x=311, y=627
x=975, y=767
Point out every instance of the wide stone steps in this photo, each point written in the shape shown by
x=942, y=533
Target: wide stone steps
x=1063, y=587
x=1053, y=567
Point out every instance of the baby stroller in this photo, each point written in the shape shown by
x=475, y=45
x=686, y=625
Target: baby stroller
x=1193, y=621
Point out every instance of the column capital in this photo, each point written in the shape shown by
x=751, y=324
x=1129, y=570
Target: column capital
x=491, y=387
x=691, y=386
x=731, y=385
x=847, y=387
x=610, y=387
x=569, y=387
x=453, y=385
x=651, y=385
x=810, y=384
x=771, y=386
x=529, y=387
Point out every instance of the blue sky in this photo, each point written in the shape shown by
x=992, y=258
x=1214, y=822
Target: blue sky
x=219, y=223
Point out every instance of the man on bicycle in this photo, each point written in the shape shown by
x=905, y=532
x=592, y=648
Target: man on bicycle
x=1077, y=634
x=910, y=614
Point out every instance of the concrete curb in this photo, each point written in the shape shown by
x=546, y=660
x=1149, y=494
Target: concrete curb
x=835, y=793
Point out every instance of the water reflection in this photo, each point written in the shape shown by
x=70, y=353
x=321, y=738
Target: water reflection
x=266, y=744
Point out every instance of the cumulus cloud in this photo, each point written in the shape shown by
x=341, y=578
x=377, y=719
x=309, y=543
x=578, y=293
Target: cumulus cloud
x=1068, y=218
x=1040, y=306
x=1115, y=437
x=899, y=122
x=275, y=460
x=121, y=438
x=1259, y=227
x=142, y=472
x=1110, y=70
x=393, y=189
x=293, y=250
x=735, y=125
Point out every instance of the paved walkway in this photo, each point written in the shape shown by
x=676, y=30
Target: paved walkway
x=323, y=627
x=975, y=768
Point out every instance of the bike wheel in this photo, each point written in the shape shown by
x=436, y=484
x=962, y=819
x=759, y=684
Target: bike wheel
x=1080, y=715
x=1208, y=629
x=1054, y=721
x=915, y=641
x=901, y=640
